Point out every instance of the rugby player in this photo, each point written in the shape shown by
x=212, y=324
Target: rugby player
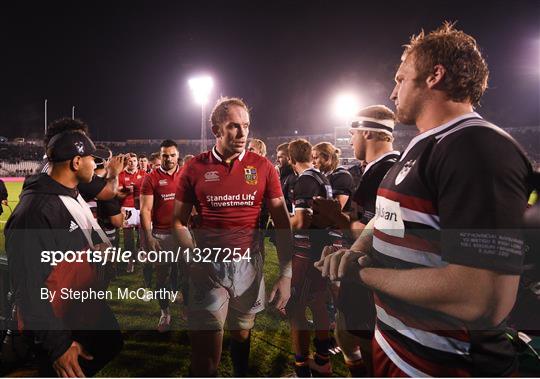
x=227, y=186
x=107, y=212
x=308, y=288
x=325, y=157
x=187, y=158
x=73, y=339
x=444, y=277
x=157, y=204
x=101, y=188
x=257, y=146
x=130, y=181
x=287, y=176
x=155, y=160
x=371, y=139
x=144, y=164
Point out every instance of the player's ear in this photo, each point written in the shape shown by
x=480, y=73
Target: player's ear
x=436, y=77
x=75, y=163
x=216, y=131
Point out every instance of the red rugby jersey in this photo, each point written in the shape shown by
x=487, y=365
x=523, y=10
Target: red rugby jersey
x=125, y=179
x=228, y=197
x=162, y=186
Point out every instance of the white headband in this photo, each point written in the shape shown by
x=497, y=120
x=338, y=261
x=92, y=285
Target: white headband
x=373, y=125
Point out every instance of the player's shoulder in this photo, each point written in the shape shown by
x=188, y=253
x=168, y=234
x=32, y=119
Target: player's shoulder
x=152, y=175
x=476, y=138
x=340, y=172
x=200, y=159
x=312, y=175
x=254, y=159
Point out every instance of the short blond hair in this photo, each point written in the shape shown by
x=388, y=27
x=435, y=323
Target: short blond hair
x=378, y=112
x=260, y=145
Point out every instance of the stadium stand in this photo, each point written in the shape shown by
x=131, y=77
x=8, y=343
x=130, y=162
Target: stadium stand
x=22, y=157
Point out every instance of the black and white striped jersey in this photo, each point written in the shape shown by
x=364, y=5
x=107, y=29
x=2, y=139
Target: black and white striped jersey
x=456, y=196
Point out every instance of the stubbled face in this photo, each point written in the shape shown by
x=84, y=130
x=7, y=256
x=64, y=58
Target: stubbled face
x=85, y=169
x=232, y=133
x=282, y=159
x=358, y=143
x=143, y=163
x=169, y=158
x=132, y=164
x=408, y=96
x=319, y=161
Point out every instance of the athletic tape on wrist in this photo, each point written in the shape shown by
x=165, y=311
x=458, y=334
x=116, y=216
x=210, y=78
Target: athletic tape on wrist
x=286, y=270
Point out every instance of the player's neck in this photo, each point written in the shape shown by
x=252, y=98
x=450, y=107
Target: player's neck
x=439, y=113
x=376, y=149
x=171, y=171
x=299, y=168
x=226, y=156
x=69, y=181
x=130, y=171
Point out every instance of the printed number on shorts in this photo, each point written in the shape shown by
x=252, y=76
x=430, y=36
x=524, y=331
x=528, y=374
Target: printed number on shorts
x=216, y=254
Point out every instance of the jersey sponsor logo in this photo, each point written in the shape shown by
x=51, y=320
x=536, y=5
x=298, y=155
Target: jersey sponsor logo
x=404, y=171
x=231, y=200
x=138, y=176
x=211, y=176
x=163, y=182
x=250, y=174
x=388, y=217
x=168, y=196
x=72, y=226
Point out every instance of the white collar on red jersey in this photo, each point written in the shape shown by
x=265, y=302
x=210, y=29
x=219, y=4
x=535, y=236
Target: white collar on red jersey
x=216, y=155
x=165, y=172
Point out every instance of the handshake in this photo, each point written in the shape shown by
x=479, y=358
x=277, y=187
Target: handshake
x=342, y=264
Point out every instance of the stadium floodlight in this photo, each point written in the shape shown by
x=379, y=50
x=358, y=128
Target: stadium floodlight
x=201, y=88
x=345, y=106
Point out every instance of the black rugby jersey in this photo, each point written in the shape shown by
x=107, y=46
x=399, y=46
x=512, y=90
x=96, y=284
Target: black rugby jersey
x=310, y=183
x=366, y=193
x=342, y=183
x=457, y=195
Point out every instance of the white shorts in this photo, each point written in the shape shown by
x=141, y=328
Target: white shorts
x=131, y=217
x=216, y=288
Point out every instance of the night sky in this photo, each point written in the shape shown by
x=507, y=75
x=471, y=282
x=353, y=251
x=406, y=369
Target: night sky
x=125, y=65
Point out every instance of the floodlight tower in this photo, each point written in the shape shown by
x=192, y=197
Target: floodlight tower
x=201, y=87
